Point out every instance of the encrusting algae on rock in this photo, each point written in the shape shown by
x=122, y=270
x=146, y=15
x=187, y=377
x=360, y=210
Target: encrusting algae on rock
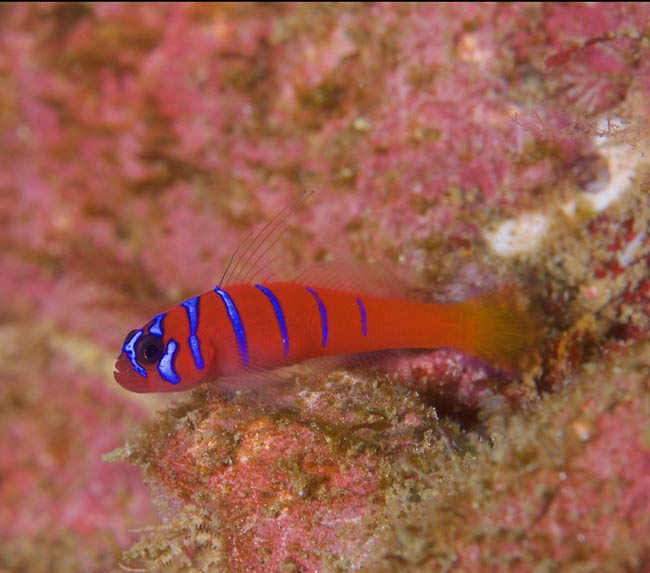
x=385, y=483
x=302, y=488
x=564, y=487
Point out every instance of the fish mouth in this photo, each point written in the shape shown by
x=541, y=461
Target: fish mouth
x=127, y=378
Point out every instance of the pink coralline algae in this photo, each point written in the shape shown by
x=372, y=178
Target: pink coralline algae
x=142, y=142
x=567, y=487
x=287, y=490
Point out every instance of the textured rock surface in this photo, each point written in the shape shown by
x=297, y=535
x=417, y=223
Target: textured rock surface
x=564, y=487
x=471, y=144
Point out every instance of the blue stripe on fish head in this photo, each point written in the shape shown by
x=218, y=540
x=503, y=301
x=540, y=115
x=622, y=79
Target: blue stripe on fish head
x=142, y=349
x=166, y=365
x=157, y=328
x=129, y=349
x=192, y=308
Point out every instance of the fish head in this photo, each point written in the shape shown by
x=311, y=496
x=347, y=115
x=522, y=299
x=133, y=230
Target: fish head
x=162, y=356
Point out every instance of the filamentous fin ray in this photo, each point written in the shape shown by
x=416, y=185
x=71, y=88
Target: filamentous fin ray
x=252, y=259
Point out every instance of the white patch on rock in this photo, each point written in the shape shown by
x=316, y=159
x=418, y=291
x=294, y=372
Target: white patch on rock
x=520, y=235
x=524, y=233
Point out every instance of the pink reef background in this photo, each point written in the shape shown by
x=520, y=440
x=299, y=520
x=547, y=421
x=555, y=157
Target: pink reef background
x=141, y=142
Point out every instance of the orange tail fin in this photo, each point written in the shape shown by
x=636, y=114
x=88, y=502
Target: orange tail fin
x=499, y=328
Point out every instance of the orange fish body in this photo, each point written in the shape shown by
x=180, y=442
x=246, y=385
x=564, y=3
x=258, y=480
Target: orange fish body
x=251, y=324
x=251, y=328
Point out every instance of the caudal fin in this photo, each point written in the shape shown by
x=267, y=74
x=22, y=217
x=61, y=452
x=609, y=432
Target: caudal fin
x=500, y=329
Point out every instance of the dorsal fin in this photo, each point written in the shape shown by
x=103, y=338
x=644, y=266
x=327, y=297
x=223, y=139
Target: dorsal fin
x=351, y=276
x=252, y=260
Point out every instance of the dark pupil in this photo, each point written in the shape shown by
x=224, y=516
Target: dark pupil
x=149, y=349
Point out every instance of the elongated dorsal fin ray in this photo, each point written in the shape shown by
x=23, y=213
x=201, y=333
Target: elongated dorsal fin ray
x=252, y=261
x=352, y=276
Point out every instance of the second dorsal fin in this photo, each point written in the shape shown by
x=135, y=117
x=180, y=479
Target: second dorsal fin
x=352, y=276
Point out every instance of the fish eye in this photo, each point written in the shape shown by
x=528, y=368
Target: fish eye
x=149, y=349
